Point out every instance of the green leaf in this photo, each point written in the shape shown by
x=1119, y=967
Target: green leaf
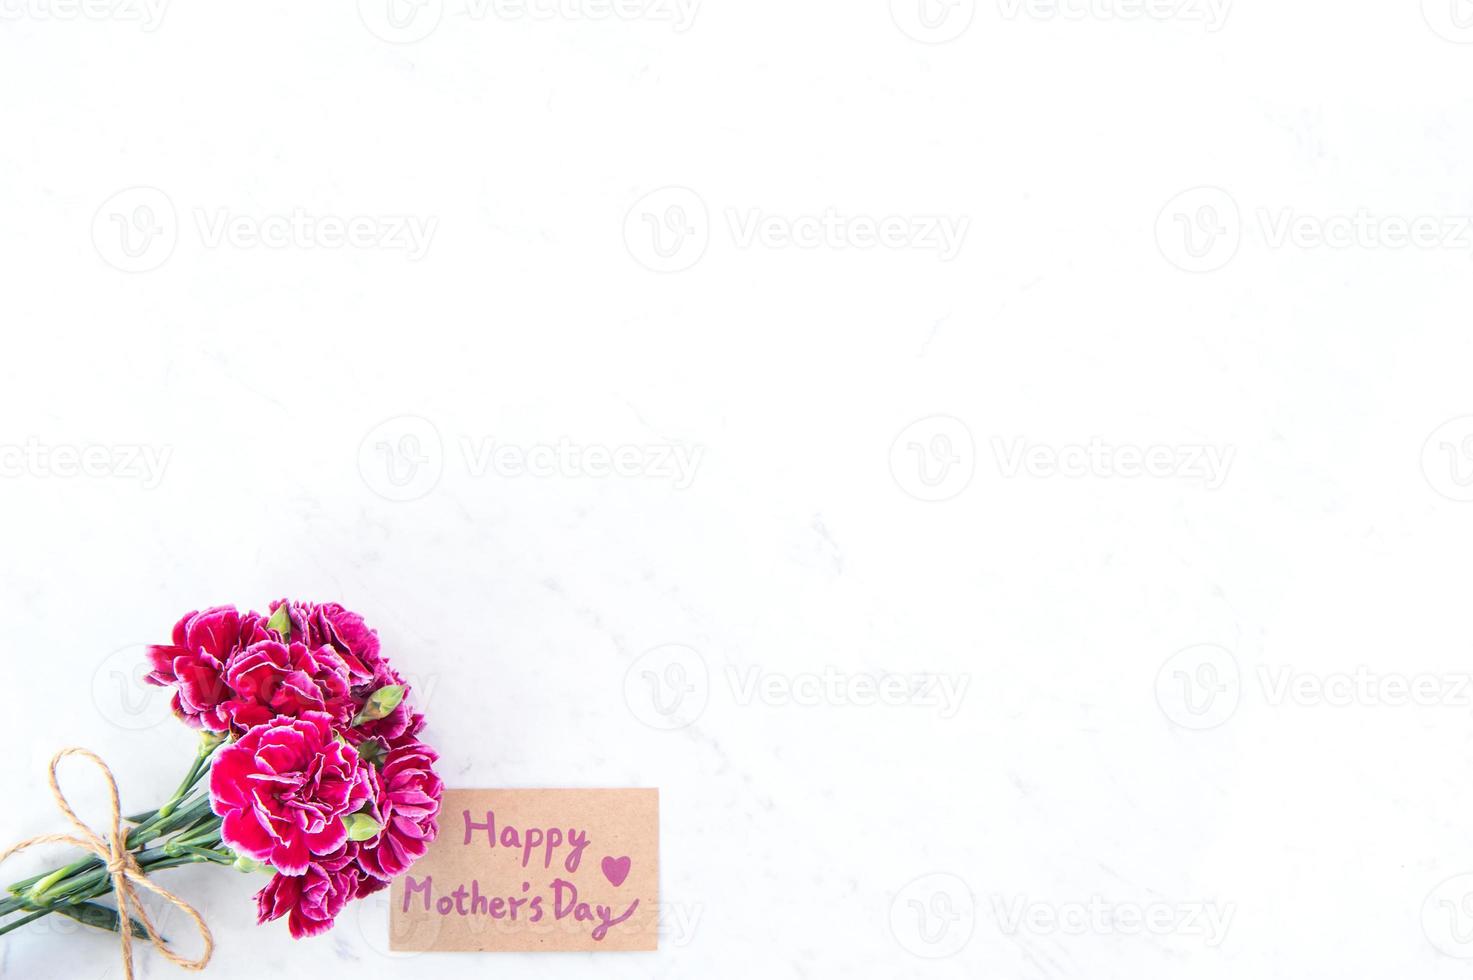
x=280, y=622
x=247, y=865
x=381, y=703
x=361, y=826
x=100, y=917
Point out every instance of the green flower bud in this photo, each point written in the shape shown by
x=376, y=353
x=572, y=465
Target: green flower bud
x=381, y=703
x=281, y=622
x=361, y=826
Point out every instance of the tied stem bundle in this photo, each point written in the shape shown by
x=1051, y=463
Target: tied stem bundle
x=310, y=769
x=121, y=871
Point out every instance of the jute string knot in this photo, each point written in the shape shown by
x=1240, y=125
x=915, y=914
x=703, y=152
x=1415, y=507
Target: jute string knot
x=127, y=877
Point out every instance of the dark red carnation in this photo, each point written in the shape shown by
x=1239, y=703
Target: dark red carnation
x=195, y=664
x=312, y=901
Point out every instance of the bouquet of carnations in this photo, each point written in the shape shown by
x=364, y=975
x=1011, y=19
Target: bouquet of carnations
x=310, y=767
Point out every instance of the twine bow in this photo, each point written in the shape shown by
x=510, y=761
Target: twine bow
x=126, y=875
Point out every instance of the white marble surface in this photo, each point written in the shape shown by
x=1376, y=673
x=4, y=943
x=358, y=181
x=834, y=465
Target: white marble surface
x=178, y=302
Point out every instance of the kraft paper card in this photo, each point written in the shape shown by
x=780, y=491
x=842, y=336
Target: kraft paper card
x=526, y=870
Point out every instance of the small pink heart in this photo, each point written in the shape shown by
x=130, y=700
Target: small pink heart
x=616, y=870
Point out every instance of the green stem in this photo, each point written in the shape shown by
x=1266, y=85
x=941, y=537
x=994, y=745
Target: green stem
x=40, y=888
x=23, y=920
x=218, y=857
x=70, y=869
x=94, y=871
x=202, y=756
x=185, y=826
x=97, y=884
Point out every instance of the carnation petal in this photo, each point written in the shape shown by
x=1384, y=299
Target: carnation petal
x=243, y=832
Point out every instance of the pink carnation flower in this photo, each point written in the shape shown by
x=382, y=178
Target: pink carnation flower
x=283, y=789
x=270, y=679
x=409, y=808
x=290, y=687
x=311, y=901
x=330, y=625
x=339, y=637
x=194, y=665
